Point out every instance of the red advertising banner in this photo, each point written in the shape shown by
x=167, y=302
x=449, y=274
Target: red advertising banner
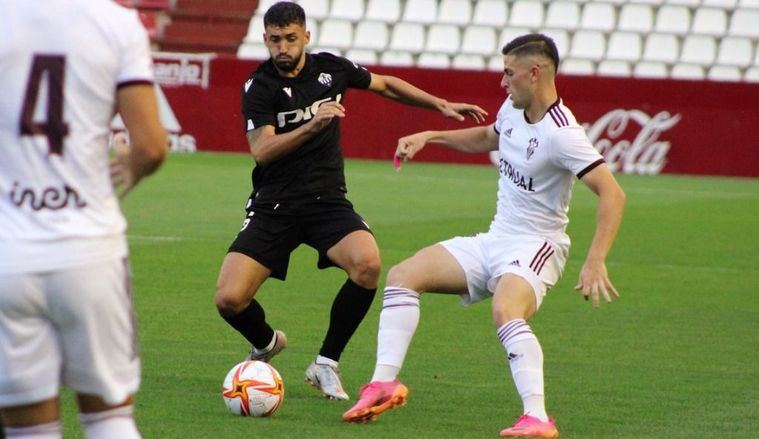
x=641, y=126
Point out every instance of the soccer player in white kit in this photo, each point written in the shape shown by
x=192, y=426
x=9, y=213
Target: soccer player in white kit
x=65, y=298
x=542, y=150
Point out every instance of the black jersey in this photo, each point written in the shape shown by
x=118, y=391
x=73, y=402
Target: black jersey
x=316, y=167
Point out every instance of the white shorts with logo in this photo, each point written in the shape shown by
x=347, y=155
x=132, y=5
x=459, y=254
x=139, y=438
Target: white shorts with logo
x=486, y=257
x=73, y=327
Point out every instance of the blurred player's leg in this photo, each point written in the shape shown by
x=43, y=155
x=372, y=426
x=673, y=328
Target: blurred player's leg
x=102, y=421
x=37, y=420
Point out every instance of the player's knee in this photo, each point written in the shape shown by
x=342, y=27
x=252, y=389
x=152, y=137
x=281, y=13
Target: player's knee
x=366, y=271
x=506, y=310
x=399, y=275
x=229, y=302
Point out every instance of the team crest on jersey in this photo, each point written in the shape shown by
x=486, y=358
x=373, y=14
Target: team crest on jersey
x=508, y=132
x=325, y=79
x=248, y=83
x=288, y=91
x=531, y=147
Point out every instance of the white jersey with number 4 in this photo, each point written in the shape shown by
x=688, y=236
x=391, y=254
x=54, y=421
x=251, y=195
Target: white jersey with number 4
x=538, y=164
x=61, y=62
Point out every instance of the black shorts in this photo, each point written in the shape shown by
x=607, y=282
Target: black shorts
x=271, y=231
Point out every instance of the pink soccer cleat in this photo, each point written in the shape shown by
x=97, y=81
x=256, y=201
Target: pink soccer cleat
x=375, y=398
x=529, y=426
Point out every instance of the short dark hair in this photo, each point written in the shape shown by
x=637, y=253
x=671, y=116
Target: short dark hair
x=533, y=44
x=281, y=14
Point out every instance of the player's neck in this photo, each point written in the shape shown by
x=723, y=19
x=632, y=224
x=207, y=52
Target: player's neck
x=540, y=104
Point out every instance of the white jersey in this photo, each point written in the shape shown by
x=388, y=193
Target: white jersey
x=538, y=165
x=61, y=62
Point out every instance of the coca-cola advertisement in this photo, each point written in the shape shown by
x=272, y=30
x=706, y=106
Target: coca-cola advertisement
x=631, y=141
x=641, y=126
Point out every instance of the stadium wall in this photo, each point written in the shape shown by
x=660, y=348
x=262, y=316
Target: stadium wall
x=643, y=126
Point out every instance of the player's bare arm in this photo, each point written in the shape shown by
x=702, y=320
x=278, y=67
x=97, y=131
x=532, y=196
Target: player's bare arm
x=266, y=146
x=399, y=90
x=594, y=279
x=476, y=139
x=139, y=109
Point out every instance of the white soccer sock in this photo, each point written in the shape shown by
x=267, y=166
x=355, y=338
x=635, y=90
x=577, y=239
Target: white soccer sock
x=51, y=430
x=115, y=423
x=397, y=323
x=526, y=361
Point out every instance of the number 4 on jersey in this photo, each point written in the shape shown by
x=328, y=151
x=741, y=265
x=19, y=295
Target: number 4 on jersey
x=53, y=127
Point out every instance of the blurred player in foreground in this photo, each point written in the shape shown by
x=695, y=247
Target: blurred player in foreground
x=292, y=105
x=65, y=291
x=542, y=150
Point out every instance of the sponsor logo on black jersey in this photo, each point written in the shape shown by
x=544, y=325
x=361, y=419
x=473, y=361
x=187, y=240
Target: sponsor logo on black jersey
x=513, y=175
x=299, y=115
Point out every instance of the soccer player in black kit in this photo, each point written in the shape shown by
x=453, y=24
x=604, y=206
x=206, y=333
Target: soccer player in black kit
x=292, y=105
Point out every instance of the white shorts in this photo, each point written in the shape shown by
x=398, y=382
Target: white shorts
x=486, y=257
x=73, y=326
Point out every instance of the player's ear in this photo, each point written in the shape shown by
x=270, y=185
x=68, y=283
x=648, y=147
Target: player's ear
x=535, y=72
x=308, y=36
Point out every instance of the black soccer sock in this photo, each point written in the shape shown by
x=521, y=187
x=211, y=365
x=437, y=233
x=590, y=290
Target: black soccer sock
x=251, y=323
x=348, y=310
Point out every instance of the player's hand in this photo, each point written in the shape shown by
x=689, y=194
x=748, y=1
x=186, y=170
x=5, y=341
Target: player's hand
x=458, y=110
x=408, y=146
x=121, y=170
x=325, y=114
x=594, y=282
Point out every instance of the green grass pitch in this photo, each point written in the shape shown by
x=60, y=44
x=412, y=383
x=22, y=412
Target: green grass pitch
x=676, y=356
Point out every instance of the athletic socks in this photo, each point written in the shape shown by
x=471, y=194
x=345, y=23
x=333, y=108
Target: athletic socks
x=348, y=310
x=115, y=423
x=251, y=323
x=51, y=430
x=397, y=324
x=526, y=361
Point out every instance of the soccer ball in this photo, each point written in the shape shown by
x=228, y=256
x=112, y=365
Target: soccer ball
x=253, y=388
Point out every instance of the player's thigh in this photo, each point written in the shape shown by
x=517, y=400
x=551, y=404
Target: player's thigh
x=92, y=308
x=432, y=269
x=30, y=356
x=326, y=226
x=514, y=298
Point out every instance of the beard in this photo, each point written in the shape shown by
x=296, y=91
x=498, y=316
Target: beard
x=286, y=63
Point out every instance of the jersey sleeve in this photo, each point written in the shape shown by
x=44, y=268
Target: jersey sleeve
x=257, y=105
x=572, y=150
x=135, y=64
x=358, y=76
x=500, y=117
